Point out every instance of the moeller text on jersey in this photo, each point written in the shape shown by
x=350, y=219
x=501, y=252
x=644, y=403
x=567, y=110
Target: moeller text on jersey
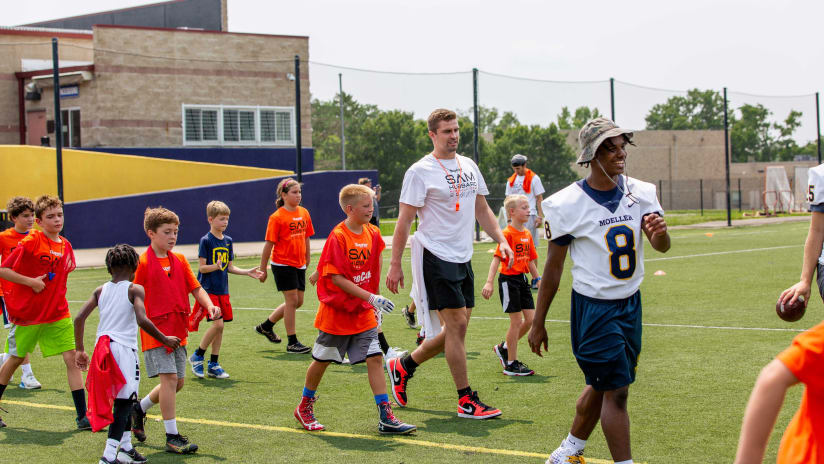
x=614, y=220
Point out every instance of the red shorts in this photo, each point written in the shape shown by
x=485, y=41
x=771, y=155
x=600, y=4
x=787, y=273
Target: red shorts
x=199, y=312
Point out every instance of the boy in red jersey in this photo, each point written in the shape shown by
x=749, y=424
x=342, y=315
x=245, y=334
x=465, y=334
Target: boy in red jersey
x=21, y=213
x=350, y=270
x=168, y=280
x=37, y=271
x=514, y=289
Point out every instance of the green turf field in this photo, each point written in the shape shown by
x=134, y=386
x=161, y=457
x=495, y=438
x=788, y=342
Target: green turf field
x=710, y=327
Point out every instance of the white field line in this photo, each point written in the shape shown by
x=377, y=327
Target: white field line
x=717, y=253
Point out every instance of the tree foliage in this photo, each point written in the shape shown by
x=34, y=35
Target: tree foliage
x=567, y=120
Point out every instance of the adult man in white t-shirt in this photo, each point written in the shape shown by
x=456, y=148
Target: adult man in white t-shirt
x=446, y=191
x=525, y=182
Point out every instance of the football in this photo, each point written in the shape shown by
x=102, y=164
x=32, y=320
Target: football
x=791, y=312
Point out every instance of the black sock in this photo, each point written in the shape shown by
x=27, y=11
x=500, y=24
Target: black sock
x=464, y=391
x=122, y=408
x=2, y=389
x=409, y=364
x=79, y=398
x=267, y=324
x=292, y=338
x=213, y=358
x=383, y=342
x=200, y=352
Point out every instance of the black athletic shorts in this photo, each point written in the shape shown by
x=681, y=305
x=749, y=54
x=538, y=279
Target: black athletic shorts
x=515, y=293
x=448, y=285
x=289, y=278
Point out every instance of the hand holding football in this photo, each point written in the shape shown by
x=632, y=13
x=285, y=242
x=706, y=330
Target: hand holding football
x=791, y=311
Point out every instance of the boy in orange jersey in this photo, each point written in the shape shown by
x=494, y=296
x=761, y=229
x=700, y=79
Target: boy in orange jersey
x=514, y=289
x=21, y=213
x=167, y=279
x=287, y=252
x=37, y=271
x=350, y=270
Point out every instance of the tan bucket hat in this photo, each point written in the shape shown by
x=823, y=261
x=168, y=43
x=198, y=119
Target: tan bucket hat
x=593, y=134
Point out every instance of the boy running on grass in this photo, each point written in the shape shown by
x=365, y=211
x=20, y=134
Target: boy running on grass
x=36, y=302
x=121, y=311
x=168, y=280
x=216, y=255
x=350, y=270
x=514, y=289
x=21, y=213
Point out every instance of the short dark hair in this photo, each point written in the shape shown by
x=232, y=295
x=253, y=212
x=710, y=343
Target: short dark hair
x=19, y=205
x=121, y=256
x=156, y=217
x=439, y=115
x=44, y=202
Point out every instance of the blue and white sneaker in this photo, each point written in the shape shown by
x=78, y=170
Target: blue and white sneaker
x=197, y=365
x=214, y=371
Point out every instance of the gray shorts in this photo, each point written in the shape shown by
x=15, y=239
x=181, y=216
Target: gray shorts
x=158, y=361
x=359, y=346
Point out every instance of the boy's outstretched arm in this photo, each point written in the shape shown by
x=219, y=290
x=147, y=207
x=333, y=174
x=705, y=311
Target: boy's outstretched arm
x=254, y=272
x=812, y=250
x=762, y=411
x=81, y=359
x=377, y=301
x=137, y=295
x=203, y=298
x=488, y=289
x=264, y=259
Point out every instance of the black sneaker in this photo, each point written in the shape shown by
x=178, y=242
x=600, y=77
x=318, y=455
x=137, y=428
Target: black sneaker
x=517, y=368
x=297, y=347
x=269, y=334
x=389, y=424
x=83, y=424
x=129, y=457
x=410, y=317
x=179, y=444
x=138, y=422
x=502, y=353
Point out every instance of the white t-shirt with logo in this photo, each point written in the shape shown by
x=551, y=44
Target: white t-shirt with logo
x=433, y=189
x=606, y=244
x=517, y=188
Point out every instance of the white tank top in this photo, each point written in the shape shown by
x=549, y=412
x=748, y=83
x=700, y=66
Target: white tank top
x=117, y=319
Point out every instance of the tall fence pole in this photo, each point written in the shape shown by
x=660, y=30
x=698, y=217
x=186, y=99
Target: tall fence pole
x=58, y=120
x=297, y=119
x=727, y=157
x=612, y=98
x=739, y=194
x=701, y=189
x=817, y=128
x=342, y=131
x=477, y=130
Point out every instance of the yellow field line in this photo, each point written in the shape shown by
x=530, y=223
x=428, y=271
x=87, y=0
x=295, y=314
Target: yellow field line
x=272, y=428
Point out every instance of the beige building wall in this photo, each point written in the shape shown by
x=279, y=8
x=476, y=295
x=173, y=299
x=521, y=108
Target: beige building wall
x=139, y=96
x=71, y=47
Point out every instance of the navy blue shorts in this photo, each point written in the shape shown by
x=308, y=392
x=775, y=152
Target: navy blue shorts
x=606, y=339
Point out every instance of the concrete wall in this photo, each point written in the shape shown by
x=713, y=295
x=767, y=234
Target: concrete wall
x=103, y=223
x=199, y=14
x=90, y=175
x=71, y=47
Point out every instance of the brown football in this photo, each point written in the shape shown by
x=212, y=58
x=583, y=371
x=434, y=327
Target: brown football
x=791, y=311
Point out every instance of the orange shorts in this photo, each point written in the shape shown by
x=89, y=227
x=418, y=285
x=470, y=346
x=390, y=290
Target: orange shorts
x=199, y=312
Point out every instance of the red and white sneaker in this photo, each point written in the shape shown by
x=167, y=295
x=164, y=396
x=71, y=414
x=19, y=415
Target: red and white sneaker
x=470, y=407
x=305, y=414
x=398, y=376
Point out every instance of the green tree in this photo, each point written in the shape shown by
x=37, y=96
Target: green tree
x=583, y=114
x=698, y=110
x=326, y=127
x=549, y=154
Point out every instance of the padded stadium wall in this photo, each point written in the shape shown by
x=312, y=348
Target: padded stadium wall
x=106, y=222
x=89, y=175
x=268, y=158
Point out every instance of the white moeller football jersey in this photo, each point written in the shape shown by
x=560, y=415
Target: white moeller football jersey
x=604, y=233
x=815, y=194
x=433, y=188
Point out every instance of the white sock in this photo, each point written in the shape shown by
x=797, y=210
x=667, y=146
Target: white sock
x=171, y=426
x=110, y=453
x=628, y=461
x=126, y=441
x=576, y=443
x=505, y=347
x=146, y=403
x=27, y=369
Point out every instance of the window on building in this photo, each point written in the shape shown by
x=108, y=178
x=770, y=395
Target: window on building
x=233, y=125
x=70, y=120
